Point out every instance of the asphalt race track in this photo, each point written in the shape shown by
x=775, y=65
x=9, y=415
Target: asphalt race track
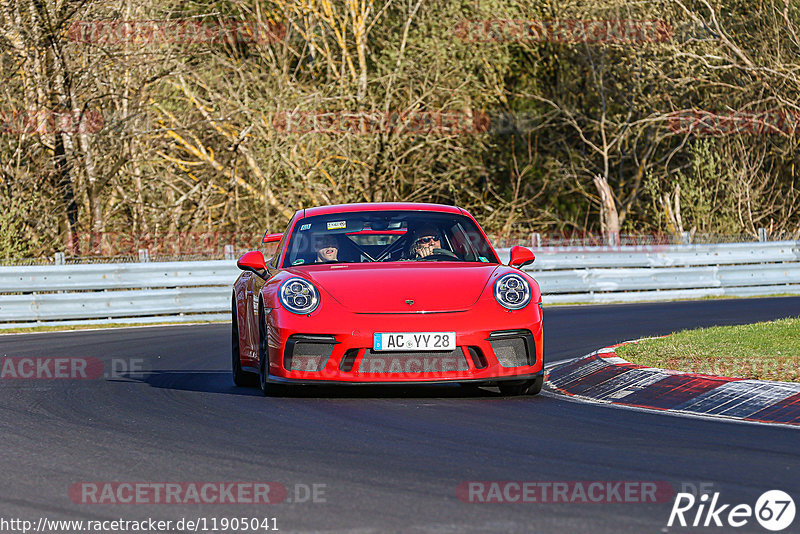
x=390, y=460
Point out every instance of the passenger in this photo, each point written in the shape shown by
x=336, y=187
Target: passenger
x=327, y=248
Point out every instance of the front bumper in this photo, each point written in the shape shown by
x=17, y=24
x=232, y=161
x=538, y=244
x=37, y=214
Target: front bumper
x=479, y=381
x=335, y=346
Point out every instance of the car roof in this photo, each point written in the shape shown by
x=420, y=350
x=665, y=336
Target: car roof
x=379, y=206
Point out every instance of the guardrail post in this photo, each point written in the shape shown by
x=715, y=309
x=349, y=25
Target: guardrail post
x=59, y=258
x=536, y=240
x=144, y=255
x=762, y=234
x=229, y=252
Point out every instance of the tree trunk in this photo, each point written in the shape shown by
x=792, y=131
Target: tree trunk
x=608, y=211
x=65, y=187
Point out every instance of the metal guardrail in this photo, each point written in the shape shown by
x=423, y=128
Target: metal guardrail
x=148, y=292
x=200, y=290
x=116, y=276
x=635, y=274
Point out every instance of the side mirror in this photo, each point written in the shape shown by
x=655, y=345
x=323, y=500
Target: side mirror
x=272, y=238
x=520, y=257
x=253, y=262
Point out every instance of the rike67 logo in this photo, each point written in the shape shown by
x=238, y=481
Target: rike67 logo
x=774, y=510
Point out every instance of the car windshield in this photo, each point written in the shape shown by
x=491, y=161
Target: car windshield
x=385, y=236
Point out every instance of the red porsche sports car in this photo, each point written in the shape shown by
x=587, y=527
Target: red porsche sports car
x=384, y=293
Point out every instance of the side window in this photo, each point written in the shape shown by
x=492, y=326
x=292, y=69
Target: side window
x=468, y=244
x=459, y=240
x=447, y=242
x=273, y=250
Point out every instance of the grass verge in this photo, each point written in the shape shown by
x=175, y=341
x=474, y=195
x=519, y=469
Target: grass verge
x=762, y=351
x=655, y=300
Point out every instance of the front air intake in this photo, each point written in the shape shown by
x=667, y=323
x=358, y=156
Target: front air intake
x=305, y=352
x=513, y=348
x=348, y=360
x=478, y=359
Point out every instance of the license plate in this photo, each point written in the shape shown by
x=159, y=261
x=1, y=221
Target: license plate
x=388, y=341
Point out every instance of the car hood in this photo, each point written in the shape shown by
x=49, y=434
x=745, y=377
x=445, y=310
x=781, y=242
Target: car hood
x=385, y=287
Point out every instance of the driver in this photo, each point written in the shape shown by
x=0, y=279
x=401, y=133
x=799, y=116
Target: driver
x=427, y=241
x=327, y=248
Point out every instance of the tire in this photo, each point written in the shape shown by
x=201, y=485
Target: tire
x=528, y=387
x=269, y=389
x=240, y=377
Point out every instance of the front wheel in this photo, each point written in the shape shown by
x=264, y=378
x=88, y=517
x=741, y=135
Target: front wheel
x=269, y=389
x=528, y=387
x=240, y=377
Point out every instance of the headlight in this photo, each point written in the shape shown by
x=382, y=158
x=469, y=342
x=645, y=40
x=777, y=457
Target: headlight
x=512, y=291
x=299, y=296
